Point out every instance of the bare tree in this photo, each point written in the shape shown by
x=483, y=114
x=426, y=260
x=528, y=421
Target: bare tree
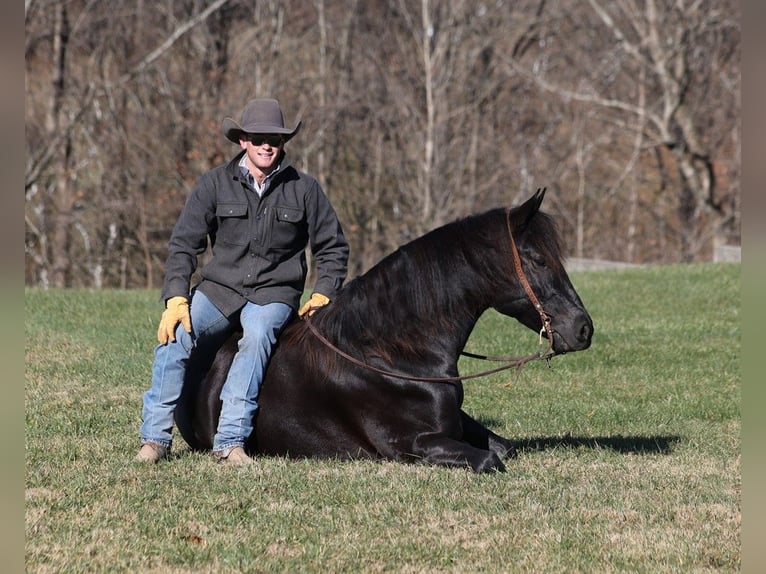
x=432, y=96
x=667, y=73
x=73, y=219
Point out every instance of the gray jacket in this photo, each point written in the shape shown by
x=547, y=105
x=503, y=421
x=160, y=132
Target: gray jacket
x=258, y=243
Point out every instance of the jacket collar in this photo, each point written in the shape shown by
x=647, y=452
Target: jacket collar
x=233, y=168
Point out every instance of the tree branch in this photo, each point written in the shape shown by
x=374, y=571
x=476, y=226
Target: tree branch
x=37, y=164
x=172, y=39
x=636, y=110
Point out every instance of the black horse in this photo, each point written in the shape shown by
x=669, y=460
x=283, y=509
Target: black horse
x=410, y=314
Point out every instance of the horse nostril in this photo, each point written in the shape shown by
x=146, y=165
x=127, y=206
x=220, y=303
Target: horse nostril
x=586, y=331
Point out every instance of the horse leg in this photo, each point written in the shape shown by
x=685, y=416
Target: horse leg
x=445, y=451
x=479, y=436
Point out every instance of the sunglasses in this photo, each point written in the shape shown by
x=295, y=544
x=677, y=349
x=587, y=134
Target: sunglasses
x=273, y=140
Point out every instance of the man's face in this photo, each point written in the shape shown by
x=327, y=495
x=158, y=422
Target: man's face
x=262, y=150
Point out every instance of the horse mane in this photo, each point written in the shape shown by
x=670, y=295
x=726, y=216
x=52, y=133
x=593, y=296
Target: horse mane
x=435, y=284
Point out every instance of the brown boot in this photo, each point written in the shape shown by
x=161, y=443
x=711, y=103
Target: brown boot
x=152, y=452
x=235, y=455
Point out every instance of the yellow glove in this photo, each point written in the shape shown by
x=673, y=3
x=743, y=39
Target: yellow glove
x=176, y=311
x=317, y=300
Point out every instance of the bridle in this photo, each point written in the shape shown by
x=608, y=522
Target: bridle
x=544, y=318
x=510, y=362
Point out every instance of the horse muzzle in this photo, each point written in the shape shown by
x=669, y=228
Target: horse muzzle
x=576, y=335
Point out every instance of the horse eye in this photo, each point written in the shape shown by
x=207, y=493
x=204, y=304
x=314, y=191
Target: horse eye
x=535, y=258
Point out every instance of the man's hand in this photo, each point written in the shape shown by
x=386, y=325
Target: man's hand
x=176, y=311
x=309, y=307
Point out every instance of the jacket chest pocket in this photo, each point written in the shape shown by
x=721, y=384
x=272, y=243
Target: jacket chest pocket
x=288, y=228
x=233, y=223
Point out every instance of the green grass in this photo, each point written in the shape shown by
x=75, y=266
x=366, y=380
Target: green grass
x=629, y=453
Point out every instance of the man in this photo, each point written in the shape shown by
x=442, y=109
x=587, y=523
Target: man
x=259, y=214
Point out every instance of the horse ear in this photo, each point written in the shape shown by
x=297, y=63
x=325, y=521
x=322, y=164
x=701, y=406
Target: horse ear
x=527, y=210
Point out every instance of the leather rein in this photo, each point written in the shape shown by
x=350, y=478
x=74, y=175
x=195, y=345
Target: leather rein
x=510, y=362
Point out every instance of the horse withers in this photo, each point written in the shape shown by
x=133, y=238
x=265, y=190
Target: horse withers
x=410, y=316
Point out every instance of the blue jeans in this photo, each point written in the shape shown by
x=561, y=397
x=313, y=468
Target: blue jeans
x=261, y=325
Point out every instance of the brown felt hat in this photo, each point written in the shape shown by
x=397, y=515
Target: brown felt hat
x=261, y=116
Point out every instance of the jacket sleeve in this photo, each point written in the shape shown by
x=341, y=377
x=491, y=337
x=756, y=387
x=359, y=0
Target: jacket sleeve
x=189, y=239
x=328, y=244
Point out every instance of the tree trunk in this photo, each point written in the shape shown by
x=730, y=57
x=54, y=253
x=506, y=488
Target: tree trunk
x=63, y=196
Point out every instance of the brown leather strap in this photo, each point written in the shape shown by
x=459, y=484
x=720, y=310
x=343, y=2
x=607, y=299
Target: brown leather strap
x=546, y=320
x=511, y=362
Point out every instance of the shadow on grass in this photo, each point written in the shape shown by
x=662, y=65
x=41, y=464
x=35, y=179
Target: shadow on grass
x=618, y=443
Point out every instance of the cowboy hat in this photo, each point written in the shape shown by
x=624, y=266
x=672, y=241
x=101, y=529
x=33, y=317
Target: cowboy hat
x=261, y=116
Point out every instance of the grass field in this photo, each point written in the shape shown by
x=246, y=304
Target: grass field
x=629, y=453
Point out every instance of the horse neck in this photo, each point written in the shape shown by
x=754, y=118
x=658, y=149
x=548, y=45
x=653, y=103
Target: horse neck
x=406, y=305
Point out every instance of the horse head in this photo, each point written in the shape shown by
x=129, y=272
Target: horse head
x=539, y=250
